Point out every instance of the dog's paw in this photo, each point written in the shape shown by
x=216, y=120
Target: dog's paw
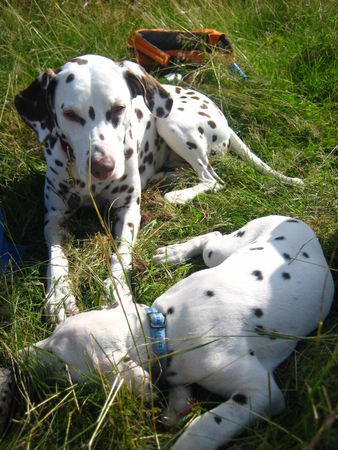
x=7, y=384
x=171, y=254
x=60, y=303
x=178, y=197
x=115, y=293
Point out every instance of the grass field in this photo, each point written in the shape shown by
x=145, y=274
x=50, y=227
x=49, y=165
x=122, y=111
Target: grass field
x=285, y=112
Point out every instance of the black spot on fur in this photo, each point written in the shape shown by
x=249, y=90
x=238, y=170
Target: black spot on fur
x=139, y=113
x=251, y=352
x=279, y=238
x=239, y=398
x=149, y=159
x=258, y=274
x=180, y=109
x=258, y=312
x=201, y=113
x=286, y=276
x=63, y=188
x=240, y=233
x=138, y=200
x=101, y=137
x=257, y=248
x=148, y=124
x=293, y=220
x=218, y=419
x=70, y=78
x=123, y=188
x=178, y=90
x=200, y=129
x=169, y=104
x=203, y=106
x=214, y=138
x=209, y=293
x=286, y=256
x=128, y=153
x=59, y=163
x=170, y=310
x=131, y=189
x=212, y=124
x=160, y=112
x=79, y=61
x=171, y=374
x=210, y=254
x=306, y=255
x=142, y=169
x=91, y=113
x=53, y=170
x=74, y=202
x=195, y=97
x=191, y=145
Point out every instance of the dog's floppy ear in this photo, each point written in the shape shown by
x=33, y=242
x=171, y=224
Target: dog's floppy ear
x=139, y=82
x=35, y=104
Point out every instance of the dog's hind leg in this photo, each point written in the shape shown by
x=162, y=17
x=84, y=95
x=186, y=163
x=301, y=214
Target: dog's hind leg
x=260, y=396
x=178, y=253
x=183, y=141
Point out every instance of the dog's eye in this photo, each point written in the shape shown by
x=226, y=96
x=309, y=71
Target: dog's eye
x=113, y=114
x=71, y=115
x=117, y=109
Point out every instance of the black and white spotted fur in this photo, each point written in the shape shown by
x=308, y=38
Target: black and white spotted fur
x=228, y=327
x=108, y=129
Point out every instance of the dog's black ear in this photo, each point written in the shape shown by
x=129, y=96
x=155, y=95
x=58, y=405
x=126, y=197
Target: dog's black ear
x=35, y=104
x=139, y=82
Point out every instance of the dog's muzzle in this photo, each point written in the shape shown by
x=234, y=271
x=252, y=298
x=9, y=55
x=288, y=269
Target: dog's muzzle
x=102, y=166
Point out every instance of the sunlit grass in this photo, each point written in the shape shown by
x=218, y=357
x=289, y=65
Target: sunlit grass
x=285, y=113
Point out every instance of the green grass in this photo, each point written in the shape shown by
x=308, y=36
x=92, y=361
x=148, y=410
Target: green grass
x=285, y=113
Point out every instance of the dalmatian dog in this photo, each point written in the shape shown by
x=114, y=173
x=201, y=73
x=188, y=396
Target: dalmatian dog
x=108, y=129
x=227, y=327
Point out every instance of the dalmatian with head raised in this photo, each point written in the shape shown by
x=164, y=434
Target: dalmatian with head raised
x=227, y=327
x=108, y=129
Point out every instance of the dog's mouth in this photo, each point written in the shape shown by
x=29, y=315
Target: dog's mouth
x=103, y=175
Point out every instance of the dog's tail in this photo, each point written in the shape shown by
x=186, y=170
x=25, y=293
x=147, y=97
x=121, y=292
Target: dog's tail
x=238, y=146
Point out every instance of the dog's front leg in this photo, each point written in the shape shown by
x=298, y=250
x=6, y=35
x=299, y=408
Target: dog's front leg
x=60, y=301
x=126, y=228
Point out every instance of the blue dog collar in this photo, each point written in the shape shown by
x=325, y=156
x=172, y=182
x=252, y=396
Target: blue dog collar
x=158, y=332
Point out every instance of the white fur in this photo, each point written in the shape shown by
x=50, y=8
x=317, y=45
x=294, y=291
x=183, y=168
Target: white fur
x=228, y=326
x=114, y=119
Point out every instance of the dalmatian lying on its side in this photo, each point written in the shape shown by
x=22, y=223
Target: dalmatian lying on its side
x=227, y=327
x=108, y=129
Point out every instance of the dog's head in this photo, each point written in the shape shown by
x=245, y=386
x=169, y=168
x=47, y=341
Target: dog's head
x=87, y=104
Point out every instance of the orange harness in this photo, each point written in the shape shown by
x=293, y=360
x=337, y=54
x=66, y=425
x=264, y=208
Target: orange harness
x=161, y=47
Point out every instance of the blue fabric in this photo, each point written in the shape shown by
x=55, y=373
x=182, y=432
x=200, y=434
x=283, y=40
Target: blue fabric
x=158, y=332
x=235, y=69
x=8, y=251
